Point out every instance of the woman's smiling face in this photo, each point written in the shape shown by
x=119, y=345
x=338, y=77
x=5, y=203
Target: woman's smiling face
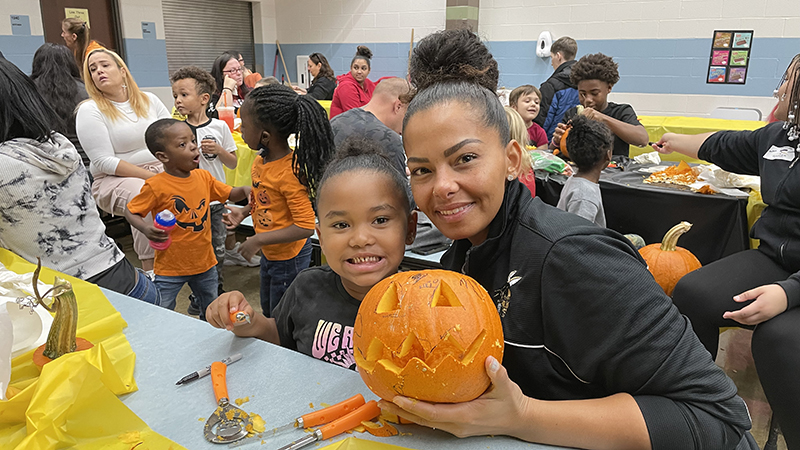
x=458, y=169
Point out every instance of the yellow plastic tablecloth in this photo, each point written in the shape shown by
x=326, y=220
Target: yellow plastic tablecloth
x=73, y=402
x=656, y=126
x=240, y=176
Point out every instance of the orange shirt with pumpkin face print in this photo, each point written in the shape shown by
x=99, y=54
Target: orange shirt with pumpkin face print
x=278, y=200
x=190, y=252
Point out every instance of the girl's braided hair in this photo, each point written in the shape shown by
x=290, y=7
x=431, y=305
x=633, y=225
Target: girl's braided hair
x=278, y=107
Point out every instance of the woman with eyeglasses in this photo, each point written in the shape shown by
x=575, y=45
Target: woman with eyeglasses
x=324, y=82
x=231, y=89
x=757, y=289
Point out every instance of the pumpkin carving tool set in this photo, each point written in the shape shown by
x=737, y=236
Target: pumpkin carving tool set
x=339, y=418
x=228, y=423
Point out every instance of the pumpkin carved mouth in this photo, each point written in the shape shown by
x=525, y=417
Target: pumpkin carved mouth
x=426, y=335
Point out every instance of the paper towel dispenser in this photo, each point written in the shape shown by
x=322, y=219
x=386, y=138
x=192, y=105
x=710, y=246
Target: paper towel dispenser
x=544, y=44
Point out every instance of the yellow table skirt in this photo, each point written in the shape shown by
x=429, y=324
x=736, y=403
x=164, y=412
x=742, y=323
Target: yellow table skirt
x=656, y=126
x=73, y=402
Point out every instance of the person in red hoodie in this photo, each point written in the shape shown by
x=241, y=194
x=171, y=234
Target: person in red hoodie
x=354, y=90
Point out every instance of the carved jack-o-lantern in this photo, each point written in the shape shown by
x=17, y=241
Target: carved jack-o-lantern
x=426, y=335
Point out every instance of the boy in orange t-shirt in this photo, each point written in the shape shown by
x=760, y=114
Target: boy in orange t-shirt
x=187, y=192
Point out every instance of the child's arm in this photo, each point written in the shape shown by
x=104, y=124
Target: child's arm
x=219, y=311
x=234, y=217
x=148, y=229
x=210, y=147
x=628, y=132
x=239, y=193
x=291, y=233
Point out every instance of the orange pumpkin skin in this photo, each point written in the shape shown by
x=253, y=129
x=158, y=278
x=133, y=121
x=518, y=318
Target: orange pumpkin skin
x=667, y=262
x=563, y=143
x=426, y=335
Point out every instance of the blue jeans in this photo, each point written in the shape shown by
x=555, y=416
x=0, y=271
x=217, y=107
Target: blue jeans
x=276, y=276
x=145, y=289
x=204, y=287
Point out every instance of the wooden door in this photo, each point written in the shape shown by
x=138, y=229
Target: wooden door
x=103, y=20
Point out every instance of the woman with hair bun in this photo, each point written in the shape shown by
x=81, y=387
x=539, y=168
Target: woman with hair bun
x=75, y=33
x=354, y=89
x=596, y=355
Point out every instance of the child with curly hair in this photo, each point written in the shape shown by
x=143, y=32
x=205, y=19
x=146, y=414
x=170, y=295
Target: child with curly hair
x=589, y=144
x=595, y=75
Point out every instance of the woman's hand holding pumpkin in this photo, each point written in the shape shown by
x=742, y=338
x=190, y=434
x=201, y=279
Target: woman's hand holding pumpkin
x=768, y=301
x=498, y=411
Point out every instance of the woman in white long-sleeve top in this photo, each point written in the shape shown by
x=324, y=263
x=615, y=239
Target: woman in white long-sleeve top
x=111, y=126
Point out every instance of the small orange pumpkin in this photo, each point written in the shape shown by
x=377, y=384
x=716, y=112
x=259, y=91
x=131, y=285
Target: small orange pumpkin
x=666, y=261
x=426, y=335
x=562, y=146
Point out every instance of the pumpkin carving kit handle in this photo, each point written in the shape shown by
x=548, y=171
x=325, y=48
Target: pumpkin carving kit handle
x=367, y=411
x=228, y=423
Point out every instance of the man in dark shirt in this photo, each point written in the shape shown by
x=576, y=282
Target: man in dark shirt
x=595, y=75
x=559, y=93
x=380, y=120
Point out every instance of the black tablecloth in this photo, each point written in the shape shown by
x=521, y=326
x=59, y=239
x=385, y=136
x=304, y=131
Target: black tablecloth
x=719, y=221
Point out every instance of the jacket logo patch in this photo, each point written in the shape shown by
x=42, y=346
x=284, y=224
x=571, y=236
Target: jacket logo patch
x=502, y=296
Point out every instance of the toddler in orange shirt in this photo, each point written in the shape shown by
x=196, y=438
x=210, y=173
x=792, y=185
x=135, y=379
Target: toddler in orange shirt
x=187, y=192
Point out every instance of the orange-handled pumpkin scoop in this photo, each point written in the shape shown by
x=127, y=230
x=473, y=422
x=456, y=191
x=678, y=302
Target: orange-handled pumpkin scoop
x=228, y=423
x=367, y=411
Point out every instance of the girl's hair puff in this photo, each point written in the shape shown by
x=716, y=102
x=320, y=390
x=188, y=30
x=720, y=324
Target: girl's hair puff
x=358, y=154
x=588, y=142
x=362, y=52
x=455, y=66
x=278, y=107
x=140, y=103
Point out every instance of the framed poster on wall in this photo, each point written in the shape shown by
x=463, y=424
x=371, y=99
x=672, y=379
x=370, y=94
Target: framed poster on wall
x=730, y=56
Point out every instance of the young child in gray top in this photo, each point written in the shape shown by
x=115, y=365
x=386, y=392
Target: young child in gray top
x=590, y=144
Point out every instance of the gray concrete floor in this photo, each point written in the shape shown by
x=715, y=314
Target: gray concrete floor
x=734, y=355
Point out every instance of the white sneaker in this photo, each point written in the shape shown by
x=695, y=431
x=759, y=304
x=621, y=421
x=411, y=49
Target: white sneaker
x=234, y=258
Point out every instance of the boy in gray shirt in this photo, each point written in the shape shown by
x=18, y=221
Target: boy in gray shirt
x=590, y=146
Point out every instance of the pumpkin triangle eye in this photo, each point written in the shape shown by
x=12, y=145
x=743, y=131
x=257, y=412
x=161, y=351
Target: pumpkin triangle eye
x=390, y=300
x=444, y=296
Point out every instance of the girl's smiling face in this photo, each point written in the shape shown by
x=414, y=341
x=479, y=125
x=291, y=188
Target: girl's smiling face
x=363, y=228
x=458, y=169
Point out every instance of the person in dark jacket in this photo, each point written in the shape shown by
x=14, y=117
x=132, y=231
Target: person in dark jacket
x=558, y=93
x=324, y=81
x=757, y=288
x=596, y=355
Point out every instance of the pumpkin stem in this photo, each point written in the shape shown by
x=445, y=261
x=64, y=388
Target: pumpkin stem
x=670, y=240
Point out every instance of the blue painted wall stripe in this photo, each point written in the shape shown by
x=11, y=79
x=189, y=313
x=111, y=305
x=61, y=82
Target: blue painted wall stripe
x=20, y=49
x=654, y=66
x=147, y=60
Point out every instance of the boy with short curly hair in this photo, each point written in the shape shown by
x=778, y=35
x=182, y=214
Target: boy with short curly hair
x=595, y=75
x=192, y=88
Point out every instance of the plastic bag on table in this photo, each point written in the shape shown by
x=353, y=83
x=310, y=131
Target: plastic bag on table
x=544, y=160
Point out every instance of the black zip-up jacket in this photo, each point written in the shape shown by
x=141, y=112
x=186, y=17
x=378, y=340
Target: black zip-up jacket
x=586, y=320
x=559, y=80
x=779, y=226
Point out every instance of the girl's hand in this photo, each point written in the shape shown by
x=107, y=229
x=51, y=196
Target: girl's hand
x=498, y=411
x=210, y=147
x=219, y=311
x=233, y=218
x=558, y=132
x=249, y=247
x=770, y=300
x=229, y=83
x=663, y=144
